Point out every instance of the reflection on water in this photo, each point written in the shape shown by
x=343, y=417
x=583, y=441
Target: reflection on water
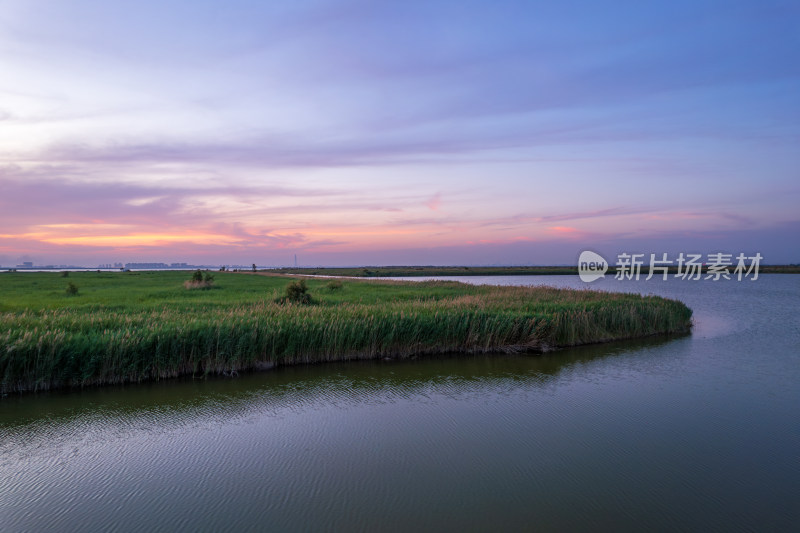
x=296, y=386
x=692, y=432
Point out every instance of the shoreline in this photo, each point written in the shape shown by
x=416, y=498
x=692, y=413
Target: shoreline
x=422, y=271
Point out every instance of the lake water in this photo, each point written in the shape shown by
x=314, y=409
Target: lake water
x=691, y=433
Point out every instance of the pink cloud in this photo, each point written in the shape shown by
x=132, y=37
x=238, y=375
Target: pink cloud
x=562, y=229
x=435, y=201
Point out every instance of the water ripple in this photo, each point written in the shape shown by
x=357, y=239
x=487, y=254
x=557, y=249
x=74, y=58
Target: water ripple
x=694, y=433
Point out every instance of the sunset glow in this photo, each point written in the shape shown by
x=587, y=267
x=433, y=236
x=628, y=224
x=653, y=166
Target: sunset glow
x=372, y=134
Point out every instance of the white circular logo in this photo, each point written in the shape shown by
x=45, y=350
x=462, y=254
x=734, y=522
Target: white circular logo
x=591, y=266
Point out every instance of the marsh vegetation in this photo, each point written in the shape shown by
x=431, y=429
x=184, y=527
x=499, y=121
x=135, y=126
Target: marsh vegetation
x=137, y=326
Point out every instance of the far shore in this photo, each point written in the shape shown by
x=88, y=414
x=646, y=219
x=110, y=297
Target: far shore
x=422, y=271
x=391, y=271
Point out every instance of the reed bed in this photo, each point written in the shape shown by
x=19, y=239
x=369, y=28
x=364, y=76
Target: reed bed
x=160, y=337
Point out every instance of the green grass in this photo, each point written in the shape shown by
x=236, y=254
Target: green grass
x=136, y=326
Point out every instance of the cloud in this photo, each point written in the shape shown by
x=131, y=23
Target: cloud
x=51, y=194
x=562, y=229
x=435, y=202
x=471, y=80
x=321, y=124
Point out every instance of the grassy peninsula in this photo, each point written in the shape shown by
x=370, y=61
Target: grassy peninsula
x=90, y=328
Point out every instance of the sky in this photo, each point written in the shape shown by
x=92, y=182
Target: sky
x=397, y=133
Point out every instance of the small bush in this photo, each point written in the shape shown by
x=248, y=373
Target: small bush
x=72, y=289
x=297, y=292
x=334, y=285
x=65, y=274
x=199, y=281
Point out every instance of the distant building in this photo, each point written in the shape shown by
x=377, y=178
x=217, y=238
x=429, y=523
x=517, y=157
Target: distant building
x=26, y=264
x=146, y=266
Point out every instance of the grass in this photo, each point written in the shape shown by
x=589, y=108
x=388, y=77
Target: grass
x=135, y=326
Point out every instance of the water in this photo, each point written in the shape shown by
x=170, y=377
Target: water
x=698, y=432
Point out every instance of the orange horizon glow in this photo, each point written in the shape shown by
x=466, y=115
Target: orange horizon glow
x=108, y=236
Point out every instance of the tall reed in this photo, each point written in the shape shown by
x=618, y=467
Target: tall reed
x=84, y=345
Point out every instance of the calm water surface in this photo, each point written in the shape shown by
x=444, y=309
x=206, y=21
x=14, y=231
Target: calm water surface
x=693, y=433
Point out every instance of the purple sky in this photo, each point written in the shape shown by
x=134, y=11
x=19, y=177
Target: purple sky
x=397, y=132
